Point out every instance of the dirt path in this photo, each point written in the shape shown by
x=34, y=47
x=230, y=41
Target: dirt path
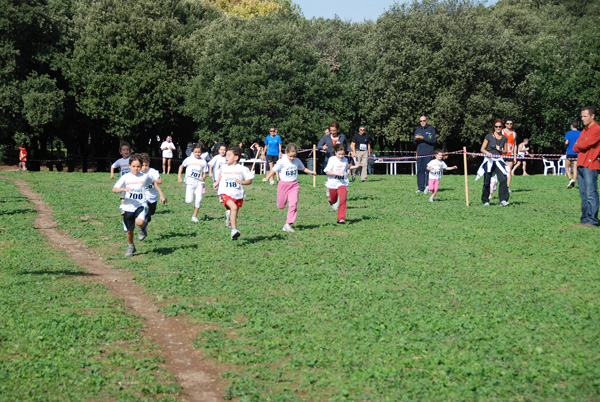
x=200, y=379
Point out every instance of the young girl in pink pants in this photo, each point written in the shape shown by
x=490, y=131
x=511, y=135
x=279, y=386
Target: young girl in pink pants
x=436, y=167
x=288, y=188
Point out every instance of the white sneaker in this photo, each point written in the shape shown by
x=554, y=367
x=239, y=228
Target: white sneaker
x=571, y=184
x=194, y=219
x=288, y=228
x=227, y=221
x=431, y=199
x=426, y=190
x=143, y=232
x=335, y=205
x=486, y=204
x=271, y=182
x=418, y=191
x=504, y=203
x=235, y=234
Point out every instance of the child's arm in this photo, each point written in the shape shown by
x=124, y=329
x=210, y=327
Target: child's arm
x=308, y=171
x=430, y=168
x=112, y=172
x=121, y=189
x=203, y=178
x=163, y=198
x=449, y=168
x=210, y=172
x=270, y=175
x=179, y=179
x=242, y=182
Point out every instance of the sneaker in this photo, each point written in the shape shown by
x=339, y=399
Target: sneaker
x=418, y=191
x=335, y=205
x=130, y=250
x=571, y=184
x=341, y=221
x=288, y=228
x=271, y=182
x=525, y=174
x=235, y=234
x=227, y=221
x=512, y=172
x=431, y=199
x=143, y=232
x=504, y=203
x=352, y=176
x=195, y=219
x=426, y=190
x=486, y=204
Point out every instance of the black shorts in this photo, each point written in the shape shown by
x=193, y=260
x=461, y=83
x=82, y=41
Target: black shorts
x=272, y=159
x=130, y=217
x=508, y=158
x=151, y=210
x=571, y=157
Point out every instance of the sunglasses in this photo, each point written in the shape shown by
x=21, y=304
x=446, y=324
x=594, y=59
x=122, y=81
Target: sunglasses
x=498, y=126
x=423, y=120
x=509, y=124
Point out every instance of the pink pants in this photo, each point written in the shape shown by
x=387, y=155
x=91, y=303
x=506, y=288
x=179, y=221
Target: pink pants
x=340, y=192
x=287, y=192
x=434, y=185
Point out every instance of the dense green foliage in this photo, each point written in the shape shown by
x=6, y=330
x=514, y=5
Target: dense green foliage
x=63, y=337
x=409, y=301
x=73, y=70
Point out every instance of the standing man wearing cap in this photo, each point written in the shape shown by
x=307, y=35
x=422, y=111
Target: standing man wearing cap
x=425, y=141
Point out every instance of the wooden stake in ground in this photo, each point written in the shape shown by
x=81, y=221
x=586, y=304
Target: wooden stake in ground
x=466, y=176
x=315, y=164
x=255, y=158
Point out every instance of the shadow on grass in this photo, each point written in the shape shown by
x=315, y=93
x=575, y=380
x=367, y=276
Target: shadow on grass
x=304, y=227
x=66, y=273
x=263, y=238
x=166, y=250
x=170, y=235
x=16, y=212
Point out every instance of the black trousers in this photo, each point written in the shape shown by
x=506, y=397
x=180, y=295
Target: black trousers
x=503, y=194
x=422, y=171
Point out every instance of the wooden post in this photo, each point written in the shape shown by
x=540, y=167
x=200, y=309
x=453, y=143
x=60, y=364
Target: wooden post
x=314, y=164
x=258, y=156
x=466, y=175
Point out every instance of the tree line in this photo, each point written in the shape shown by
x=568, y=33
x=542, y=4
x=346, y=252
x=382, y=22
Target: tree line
x=86, y=74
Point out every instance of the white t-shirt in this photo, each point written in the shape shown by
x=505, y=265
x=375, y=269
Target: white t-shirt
x=217, y=164
x=151, y=193
x=334, y=164
x=137, y=197
x=122, y=165
x=438, y=167
x=167, y=153
x=228, y=185
x=193, y=169
x=288, y=171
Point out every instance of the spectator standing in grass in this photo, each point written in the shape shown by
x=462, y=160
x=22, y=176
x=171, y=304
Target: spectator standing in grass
x=328, y=141
x=167, y=148
x=134, y=206
x=424, y=139
x=494, y=145
x=588, y=146
x=22, y=158
x=361, y=150
x=510, y=154
x=337, y=183
x=153, y=192
x=571, y=138
x=436, y=168
x=195, y=174
x=288, y=188
x=273, y=149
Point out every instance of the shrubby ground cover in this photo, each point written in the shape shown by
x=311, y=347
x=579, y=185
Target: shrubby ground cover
x=410, y=301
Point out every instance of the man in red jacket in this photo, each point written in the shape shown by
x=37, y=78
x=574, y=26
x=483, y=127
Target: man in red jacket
x=588, y=165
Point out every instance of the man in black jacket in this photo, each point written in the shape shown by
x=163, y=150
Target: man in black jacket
x=425, y=141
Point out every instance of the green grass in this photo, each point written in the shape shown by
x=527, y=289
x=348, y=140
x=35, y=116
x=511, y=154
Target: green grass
x=62, y=337
x=410, y=301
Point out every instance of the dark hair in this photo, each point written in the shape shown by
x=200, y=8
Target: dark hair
x=236, y=151
x=145, y=158
x=575, y=124
x=334, y=124
x=339, y=147
x=438, y=151
x=497, y=121
x=511, y=120
x=591, y=110
x=136, y=157
x=124, y=144
x=199, y=145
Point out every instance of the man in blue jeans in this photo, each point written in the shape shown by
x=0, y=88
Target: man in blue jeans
x=588, y=165
x=425, y=141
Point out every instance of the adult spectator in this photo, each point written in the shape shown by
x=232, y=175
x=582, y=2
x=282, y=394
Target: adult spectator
x=425, y=140
x=327, y=142
x=571, y=138
x=167, y=148
x=494, y=145
x=273, y=150
x=510, y=156
x=22, y=157
x=214, y=150
x=588, y=146
x=361, y=150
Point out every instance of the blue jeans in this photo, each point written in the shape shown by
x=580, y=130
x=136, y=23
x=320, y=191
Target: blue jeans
x=588, y=190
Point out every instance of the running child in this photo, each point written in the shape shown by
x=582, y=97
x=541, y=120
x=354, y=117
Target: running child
x=436, y=168
x=153, y=191
x=337, y=171
x=216, y=164
x=121, y=164
x=134, y=205
x=229, y=184
x=288, y=188
x=195, y=174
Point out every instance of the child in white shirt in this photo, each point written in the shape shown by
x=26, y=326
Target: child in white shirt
x=195, y=174
x=436, y=168
x=337, y=183
x=216, y=164
x=153, y=191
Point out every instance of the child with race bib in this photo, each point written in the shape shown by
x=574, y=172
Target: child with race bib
x=288, y=188
x=230, y=187
x=153, y=191
x=216, y=164
x=195, y=174
x=122, y=164
x=337, y=171
x=436, y=168
x=134, y=205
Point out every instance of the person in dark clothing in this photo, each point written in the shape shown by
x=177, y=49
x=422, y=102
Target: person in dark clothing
x=424, y=139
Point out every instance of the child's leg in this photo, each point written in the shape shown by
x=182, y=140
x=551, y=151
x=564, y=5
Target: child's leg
x=430, y=185
x=189, y=193
x=234, y=212
x=293, y=193
x=282, y=194
x=198, y=194
x=435, y=187
x=333, y=195
x=130, y=236
x=342, y=192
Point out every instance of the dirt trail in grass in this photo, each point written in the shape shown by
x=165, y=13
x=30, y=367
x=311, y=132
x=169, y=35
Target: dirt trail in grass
x=199, y=378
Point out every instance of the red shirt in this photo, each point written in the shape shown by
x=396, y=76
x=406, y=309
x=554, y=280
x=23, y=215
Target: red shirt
x=588, y=146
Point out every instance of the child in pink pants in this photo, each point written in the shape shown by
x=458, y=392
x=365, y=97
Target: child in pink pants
x=436, y=167
x=288, y=188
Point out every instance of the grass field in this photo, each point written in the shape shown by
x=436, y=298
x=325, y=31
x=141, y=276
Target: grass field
x=410, y=301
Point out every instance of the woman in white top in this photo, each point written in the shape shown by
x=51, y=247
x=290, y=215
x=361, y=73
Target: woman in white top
x=167, y=148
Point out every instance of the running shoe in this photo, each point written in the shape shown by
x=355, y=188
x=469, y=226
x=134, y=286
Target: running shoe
x=571, y=184
x=504, y=203
x=235, y=234
x=195, y=219
x=143, y=232
x=130, y=250
x=288, y=228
